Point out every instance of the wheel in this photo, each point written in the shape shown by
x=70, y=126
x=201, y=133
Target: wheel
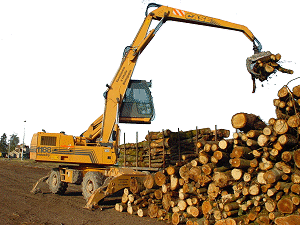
x=56, y=186
x=91, y=182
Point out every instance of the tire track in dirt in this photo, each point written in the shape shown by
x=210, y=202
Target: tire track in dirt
x=19, y=206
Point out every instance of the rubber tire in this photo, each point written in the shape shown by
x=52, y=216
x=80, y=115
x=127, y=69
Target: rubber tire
x=91, y=181
x=56, y=186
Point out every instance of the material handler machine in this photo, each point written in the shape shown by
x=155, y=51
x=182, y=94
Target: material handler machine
x=89, y=159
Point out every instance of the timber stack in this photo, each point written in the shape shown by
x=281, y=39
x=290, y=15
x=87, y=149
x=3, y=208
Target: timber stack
x=161, y=149
x=252, y=178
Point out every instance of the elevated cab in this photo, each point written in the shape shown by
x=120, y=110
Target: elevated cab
x=137, y=105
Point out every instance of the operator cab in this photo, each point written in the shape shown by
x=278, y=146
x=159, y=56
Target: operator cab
x=137, y=105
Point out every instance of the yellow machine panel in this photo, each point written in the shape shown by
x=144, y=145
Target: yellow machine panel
x=58, y=147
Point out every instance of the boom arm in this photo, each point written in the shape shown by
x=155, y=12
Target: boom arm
x=117, y=88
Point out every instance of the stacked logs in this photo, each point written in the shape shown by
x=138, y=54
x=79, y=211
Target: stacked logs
x=167, y=148
x=269, y=65
x=253, y=178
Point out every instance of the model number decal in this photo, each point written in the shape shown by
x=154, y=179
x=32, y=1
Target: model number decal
x=43, y=150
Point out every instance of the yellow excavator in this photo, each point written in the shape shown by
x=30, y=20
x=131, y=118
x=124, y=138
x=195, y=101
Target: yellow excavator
x=89, y=159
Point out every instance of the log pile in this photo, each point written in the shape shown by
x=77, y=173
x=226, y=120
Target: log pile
x=253, y=178
x=167, y=148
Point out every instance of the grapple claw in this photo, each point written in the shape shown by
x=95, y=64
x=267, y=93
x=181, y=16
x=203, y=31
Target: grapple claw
x=250, y=62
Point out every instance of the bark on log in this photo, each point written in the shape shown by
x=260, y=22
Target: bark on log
x=273, y=175
x=246, y=122
x=240, y=151
x=225, y=144
x=231, y=206
x=288, y=139
x=297, y=157
x=290, y=220
x=158, y=135
x=240, y=163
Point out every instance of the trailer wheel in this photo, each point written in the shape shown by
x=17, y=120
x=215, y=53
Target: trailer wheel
x=91, y=182
x=56, y=186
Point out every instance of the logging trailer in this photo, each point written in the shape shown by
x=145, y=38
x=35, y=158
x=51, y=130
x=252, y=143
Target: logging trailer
x=89, y=159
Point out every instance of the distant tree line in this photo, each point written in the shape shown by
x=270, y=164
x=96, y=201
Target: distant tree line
x=10, y=144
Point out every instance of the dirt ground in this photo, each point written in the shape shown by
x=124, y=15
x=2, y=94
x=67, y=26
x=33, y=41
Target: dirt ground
x=19, y=206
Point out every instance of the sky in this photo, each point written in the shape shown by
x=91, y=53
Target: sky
x=57, y=56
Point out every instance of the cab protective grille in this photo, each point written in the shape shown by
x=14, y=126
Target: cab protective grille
x=47, y=140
